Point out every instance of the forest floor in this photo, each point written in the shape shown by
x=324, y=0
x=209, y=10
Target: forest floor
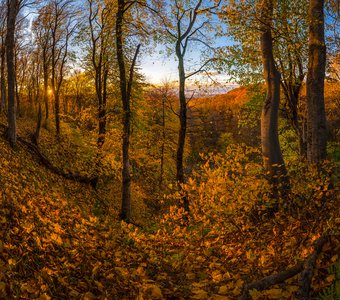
x=60, y=239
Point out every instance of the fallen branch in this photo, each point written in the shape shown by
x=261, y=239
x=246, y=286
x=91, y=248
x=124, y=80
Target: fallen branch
x=308, y=269
x=270, y=280
x=305, y=267
x=33, y=149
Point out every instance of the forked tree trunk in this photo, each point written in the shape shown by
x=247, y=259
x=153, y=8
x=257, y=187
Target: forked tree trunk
x=13, y=7
x=272, y=155
x=316, y=117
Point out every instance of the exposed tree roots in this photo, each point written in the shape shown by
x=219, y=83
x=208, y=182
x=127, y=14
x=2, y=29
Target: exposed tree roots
x=306, y=269
x=33, y=149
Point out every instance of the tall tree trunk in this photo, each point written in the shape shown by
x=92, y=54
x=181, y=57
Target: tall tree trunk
x=316, y=117
x=13, y=7
x=57, y=112
x=102, y=99
x=125, y=91
x=17, y=94
x=101, y=88
x=183, y=123
x=45, y=71
x=163, y=142
x=273, y=160
x=36, y=135
x=2, y=78
x=125, y=213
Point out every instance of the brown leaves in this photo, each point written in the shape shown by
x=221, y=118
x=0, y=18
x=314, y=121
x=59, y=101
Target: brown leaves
x=53, y=246
x=150, y=292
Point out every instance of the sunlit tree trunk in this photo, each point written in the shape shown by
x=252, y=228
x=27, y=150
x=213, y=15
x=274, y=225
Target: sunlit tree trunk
x=36, y=82
x=273, y=160
x=45, y=76
x=13, y=7
x=316, y=117
x=36, y=135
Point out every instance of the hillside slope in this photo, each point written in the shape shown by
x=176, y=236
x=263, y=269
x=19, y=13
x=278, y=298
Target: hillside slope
x=60, y=239
x=52, y=243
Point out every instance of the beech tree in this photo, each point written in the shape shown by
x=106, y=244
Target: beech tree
x=36, y=71
x=62, y=28
x=125, y=84
x=13, y=8
x=273, y=160
x=291, y=54
x=184, y=24
x=290, y=32
x=316, y=117
x=101, y=27
x=21, y=62
x=42, y=34
x=3, y=21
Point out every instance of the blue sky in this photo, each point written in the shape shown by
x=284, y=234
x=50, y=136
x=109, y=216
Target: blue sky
x=159, y=67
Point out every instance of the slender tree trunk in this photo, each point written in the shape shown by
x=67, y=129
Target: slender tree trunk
x=65, y=104
x=3, y=78
x=273, y=160
x=126, y=178
x=13, y=8
x=183, y=123
x=101, y=87
x=125, y=213
x=102, y=95
x=17, y=95
x=163, y=142
x=45, y=71
x=36, y=135
x=316, y=117
x=296, y=122
x=57, y=112
x=125, y=91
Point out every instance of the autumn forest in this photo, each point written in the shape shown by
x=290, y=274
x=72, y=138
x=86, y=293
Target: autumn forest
x=214, y=181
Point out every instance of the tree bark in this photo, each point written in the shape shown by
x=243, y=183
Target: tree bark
x=183, y=120
x=57, y=112
x=306, y=269
x=125, y=91
x=36, y=135
x=163, y=140
x=316, y=117
x=272, y=155
x=125, y=213
x=2, y=77
x=13, y=7
x=100, y=66
x=183, y=123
